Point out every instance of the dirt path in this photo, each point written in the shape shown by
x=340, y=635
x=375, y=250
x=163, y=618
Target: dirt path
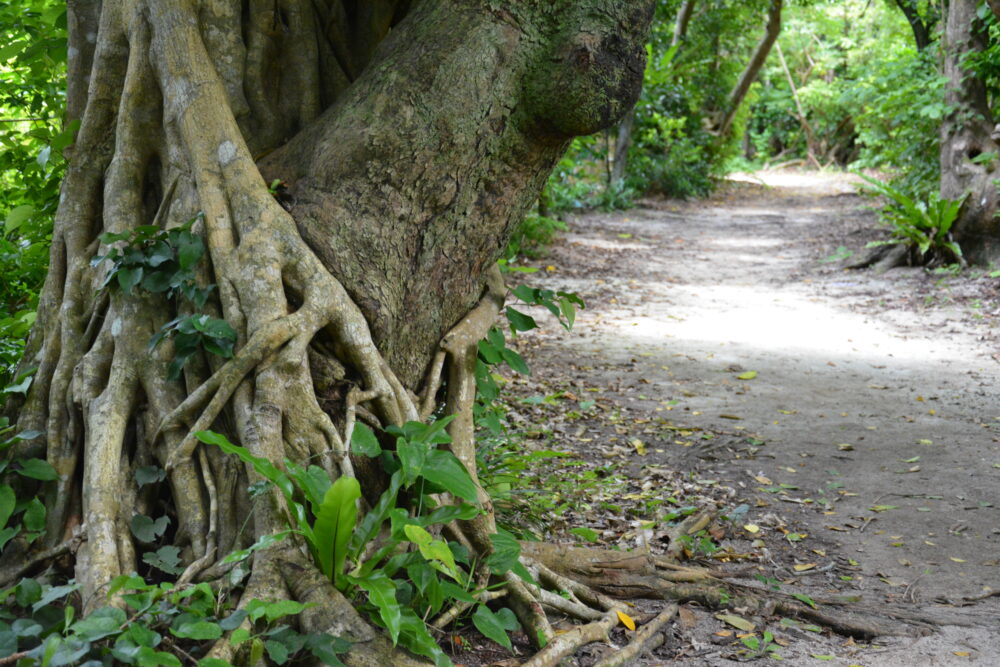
x=866, y=445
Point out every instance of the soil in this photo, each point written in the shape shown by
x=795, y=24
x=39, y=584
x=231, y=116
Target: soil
x=845, y=422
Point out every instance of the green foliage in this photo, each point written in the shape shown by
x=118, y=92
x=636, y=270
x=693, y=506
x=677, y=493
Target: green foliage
x=163, y=262
x=32, y=140
x=20, y=516
x=871, y=99
x=922, y=226
x=366, y=559
x=39, y=625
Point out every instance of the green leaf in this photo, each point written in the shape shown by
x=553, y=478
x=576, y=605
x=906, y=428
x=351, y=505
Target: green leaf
x=326, y=648
x=519, y=321
x=17, y=216
x=515, y=361
x=146, y=529
x=281, y=608
x=585, y=533
x=128, y=278
x=37, y=469
x=165, y=558
x=34, y=516
x=804, y=598
x=444, y=469
x=276, y=651
x=437, y=552
x=335, y=522
x=264, y=468
x=199, y=630
x=99, y=624
x=488, y=353
x=412, y=456
x=7, y=502
x=7, y=534
x=364, y=442
x=491, y=626
x=506, y=552
x=190, y=252
x=382, y=593
x=149, y=475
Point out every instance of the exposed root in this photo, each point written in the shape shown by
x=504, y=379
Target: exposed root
x=567, y=643
x=644, y=640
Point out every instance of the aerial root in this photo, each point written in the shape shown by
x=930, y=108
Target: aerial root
x=196, y=567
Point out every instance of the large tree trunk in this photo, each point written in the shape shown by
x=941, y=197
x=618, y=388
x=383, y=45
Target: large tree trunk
x=410, y=140
x=967, y=133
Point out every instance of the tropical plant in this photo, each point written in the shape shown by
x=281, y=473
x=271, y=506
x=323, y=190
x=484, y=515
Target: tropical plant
x=390, y=557
x=923, y=226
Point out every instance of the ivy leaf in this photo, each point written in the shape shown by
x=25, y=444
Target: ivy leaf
x=149, y=475
x=166, y=559
x=146, y=529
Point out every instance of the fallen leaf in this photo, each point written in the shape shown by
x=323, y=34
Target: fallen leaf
x=804, y=566
x=962, y=654
x=924, y=441
x=687, y=617
x=957, y=560
x=845, y=447
x=883, y=508
x=752, y=528
x=749, y=375
x=626, y=620
x=736, y=622
x=640, y=446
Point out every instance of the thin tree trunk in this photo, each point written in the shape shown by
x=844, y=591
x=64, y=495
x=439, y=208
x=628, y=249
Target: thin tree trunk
x=683, y=21
x=922, y=34
x=753, y=67
x=623, y=141
x=806, y=128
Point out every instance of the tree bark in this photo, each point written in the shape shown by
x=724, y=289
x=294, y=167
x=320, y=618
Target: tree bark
x=753, y=67
x=967, y=133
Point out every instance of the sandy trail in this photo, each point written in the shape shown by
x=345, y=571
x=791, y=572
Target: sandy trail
x=874, y=396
